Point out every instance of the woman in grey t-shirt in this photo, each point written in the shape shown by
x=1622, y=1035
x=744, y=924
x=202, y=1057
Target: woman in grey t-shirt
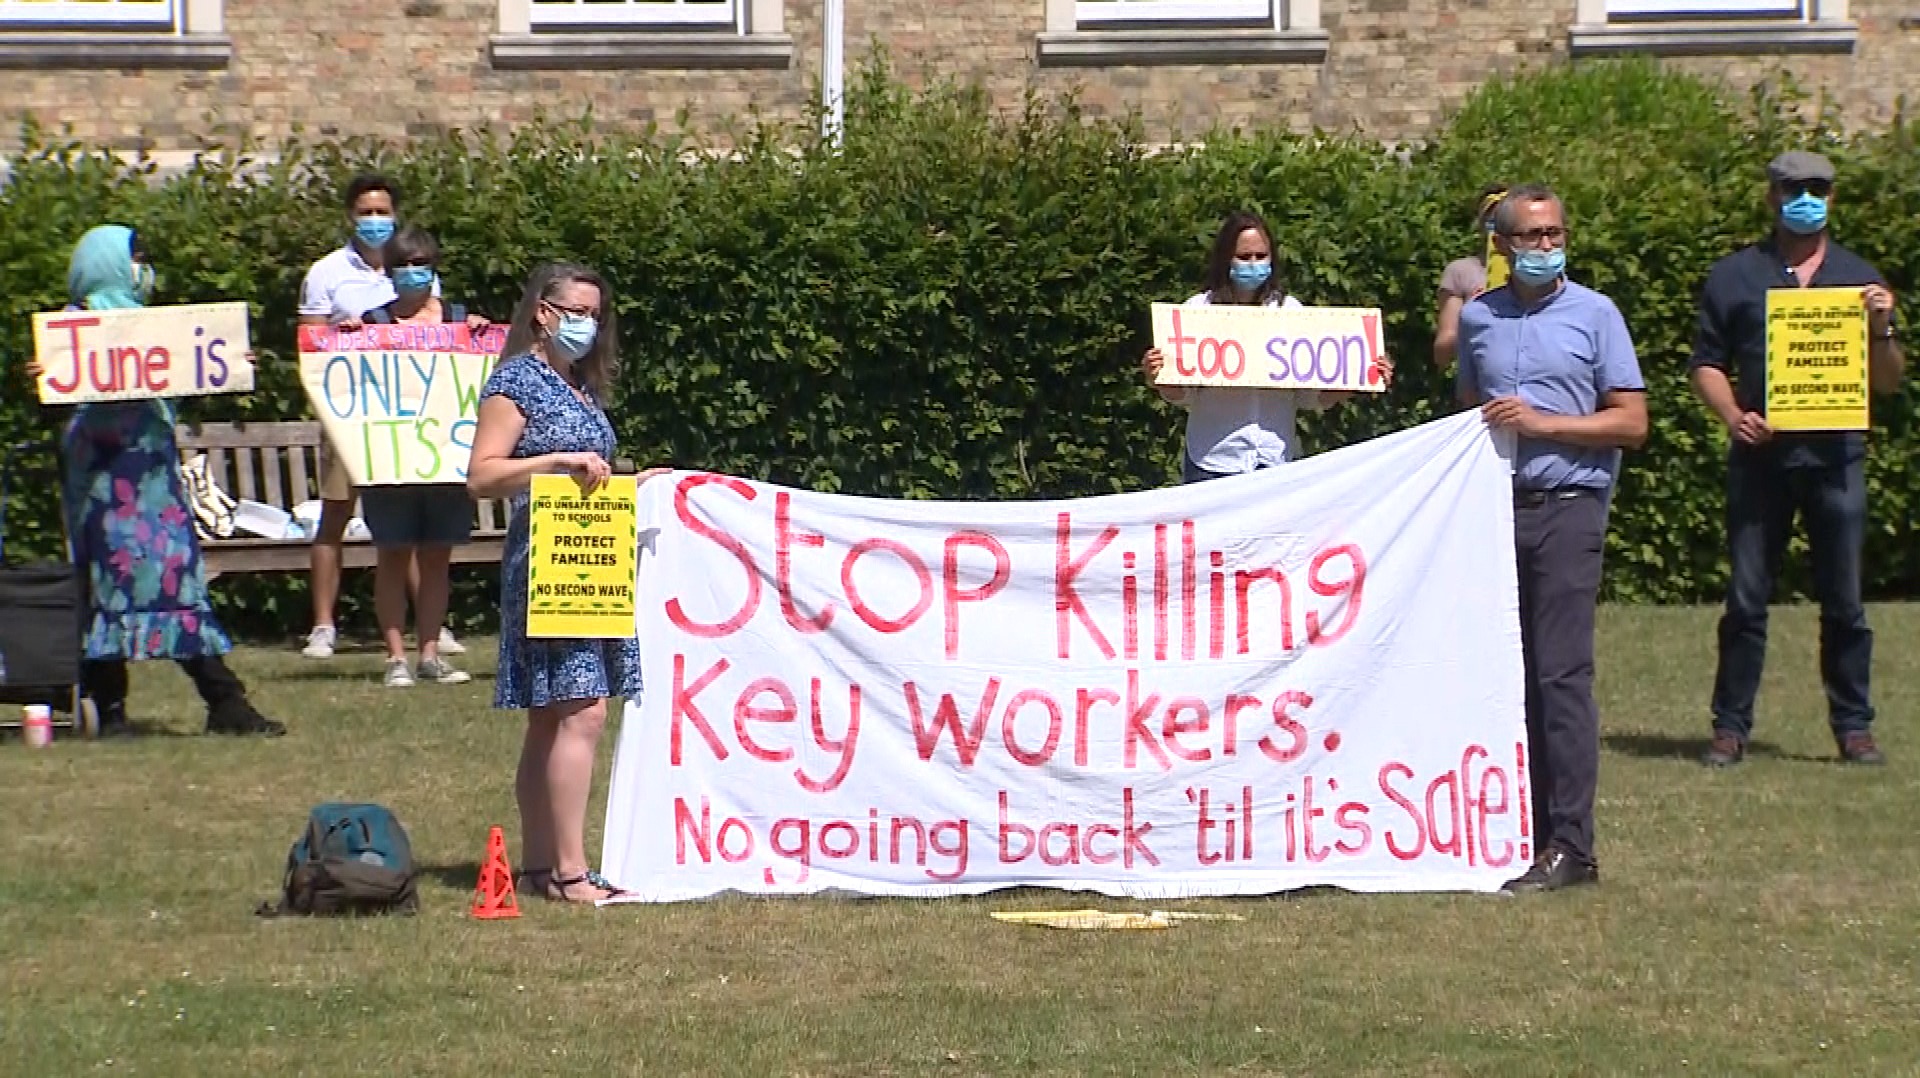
x=1463, y=279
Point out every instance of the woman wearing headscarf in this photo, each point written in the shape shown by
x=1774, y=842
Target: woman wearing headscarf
x=131, y=529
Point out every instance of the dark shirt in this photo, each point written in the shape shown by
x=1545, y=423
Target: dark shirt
x=383, y=315
x=1732, y=336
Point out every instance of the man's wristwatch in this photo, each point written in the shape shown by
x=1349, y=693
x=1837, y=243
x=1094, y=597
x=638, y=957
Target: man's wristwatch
x=1885, y=334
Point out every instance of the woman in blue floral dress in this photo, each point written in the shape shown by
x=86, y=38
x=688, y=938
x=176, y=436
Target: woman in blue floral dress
x=131, y=531
x=541, y=413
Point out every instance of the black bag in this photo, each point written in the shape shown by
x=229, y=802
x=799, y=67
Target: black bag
x=353, y=858
x=41, y=617
x=39, y=627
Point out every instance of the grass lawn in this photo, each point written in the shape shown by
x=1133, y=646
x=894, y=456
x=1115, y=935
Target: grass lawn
x=1764, y=920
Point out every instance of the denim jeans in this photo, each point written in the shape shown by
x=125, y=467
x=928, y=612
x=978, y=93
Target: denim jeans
x=1763, y=497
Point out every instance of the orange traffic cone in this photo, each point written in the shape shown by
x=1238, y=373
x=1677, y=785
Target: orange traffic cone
x=493, y=899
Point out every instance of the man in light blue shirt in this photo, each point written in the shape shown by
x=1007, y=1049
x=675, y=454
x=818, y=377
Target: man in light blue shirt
x=1552, y=362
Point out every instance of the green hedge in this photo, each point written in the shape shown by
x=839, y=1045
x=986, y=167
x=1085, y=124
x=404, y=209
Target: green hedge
x=951, y=304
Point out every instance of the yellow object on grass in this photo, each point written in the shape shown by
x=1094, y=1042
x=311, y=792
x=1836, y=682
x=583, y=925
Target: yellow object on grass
x=1099, y=920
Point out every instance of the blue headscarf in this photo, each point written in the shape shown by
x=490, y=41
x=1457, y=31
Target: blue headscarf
x=101, y=275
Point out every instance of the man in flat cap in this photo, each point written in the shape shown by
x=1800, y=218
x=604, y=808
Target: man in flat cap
x=1772, y=475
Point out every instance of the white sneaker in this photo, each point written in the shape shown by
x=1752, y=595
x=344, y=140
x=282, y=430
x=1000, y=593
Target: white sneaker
x=397, y=675
x=320, y=642
x=441, y=672
x=450, y=646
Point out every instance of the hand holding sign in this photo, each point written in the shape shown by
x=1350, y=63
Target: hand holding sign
x=590, y=470
x=1879, y=307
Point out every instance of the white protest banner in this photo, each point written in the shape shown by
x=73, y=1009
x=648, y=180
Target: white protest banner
x=1308, y=675
x=141, y=353
x=1335, y=348
x=399, y=402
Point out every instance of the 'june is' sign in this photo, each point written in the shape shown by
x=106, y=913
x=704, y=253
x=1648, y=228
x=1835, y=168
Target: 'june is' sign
x=1334, y=348
x=141, y=353
x=399, y=403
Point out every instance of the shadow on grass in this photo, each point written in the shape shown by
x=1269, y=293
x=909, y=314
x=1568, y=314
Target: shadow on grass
x=459, y=876
x=1667, y=747
x=366, y=673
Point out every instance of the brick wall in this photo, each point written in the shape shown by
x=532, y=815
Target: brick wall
x=341, y=67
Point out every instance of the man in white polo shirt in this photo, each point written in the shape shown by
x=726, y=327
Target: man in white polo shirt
x=342, y=287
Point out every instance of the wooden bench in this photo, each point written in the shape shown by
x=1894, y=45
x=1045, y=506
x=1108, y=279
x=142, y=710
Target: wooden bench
x=278, y=464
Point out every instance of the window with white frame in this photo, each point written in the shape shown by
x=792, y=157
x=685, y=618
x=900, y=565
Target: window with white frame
x=149, y=15
x=662, y=34
x=1702, y=27
x=1109, y=33
x=593, y=14
x=1096, y=13
x=1709, y=9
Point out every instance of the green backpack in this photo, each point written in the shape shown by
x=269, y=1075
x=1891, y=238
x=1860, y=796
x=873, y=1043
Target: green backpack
x=352, y=859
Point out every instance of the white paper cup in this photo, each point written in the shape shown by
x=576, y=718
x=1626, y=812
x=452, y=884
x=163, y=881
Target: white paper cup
x=36, y=725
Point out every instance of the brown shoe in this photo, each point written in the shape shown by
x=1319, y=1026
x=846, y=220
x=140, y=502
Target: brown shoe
x=1857, y=747
x=1728, y=749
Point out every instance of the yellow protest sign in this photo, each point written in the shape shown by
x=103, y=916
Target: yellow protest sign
x=583, y=557
x=140, y=353
x=399, y=403
x=1335, y=348
x=1497, y=268
x=1816, y=359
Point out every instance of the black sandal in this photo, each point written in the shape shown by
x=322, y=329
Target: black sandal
x=606, y=885
x=531, y=880
x=555, y=889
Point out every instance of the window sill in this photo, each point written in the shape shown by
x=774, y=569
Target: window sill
x=626, y=49
x=1714, y=38
x=112, y=51
x=1139, y=48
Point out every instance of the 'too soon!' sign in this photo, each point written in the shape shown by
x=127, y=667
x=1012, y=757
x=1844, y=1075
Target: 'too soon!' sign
x=1335, y=348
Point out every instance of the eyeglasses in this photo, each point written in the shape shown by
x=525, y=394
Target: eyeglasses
x=1533, y=236
x=577, y=312
x=1816, y=188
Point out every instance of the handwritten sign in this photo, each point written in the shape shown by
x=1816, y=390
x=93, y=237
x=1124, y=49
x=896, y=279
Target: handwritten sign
x=141, y=353
x=1817, y=359
x=581, y=570
x=399, y=402
x=1270, y=347
x=1312, y=675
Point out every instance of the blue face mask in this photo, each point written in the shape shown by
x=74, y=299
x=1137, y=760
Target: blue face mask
x=1250, y=275
x=1804, y=214
x=412, y=278
x=1536, y=268
x=373, y=231
x=143, y=281
x=575, y=336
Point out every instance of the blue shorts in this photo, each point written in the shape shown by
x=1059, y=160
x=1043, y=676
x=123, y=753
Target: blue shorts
x=437, y=514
